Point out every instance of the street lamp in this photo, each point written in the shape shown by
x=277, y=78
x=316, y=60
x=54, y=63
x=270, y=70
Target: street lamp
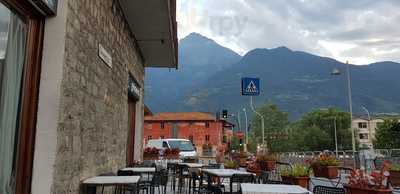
x=369, y=125
x=247, y=127
x=353, y=140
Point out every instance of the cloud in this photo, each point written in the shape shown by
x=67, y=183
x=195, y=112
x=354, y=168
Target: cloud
x=317, y=26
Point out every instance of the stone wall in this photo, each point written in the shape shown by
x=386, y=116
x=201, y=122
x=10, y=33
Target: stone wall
x=93, y=125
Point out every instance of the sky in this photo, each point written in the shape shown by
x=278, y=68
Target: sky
x=358, y=31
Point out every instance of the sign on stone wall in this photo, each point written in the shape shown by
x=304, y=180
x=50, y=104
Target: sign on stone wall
x=47, y=7
x=105, y=56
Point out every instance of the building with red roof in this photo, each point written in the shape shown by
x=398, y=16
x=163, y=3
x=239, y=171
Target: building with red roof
x=210, y=135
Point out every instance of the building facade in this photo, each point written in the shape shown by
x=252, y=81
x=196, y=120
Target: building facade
x=211, y=136
x=71, y=87
x=365, y=130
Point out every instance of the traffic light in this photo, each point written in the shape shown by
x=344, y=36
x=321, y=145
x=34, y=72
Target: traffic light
x=225, y=114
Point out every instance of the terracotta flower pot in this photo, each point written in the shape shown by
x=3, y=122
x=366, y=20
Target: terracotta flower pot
x=357, y=190
x=301, y=181
x=394, y=178
x=329, y=172
x=268, y=165
x=150, y=157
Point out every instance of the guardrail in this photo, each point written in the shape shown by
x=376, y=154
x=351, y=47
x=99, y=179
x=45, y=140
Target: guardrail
x=345, y=156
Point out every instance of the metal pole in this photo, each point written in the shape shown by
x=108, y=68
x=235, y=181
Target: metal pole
x=336, y=144
x=262, y=120
x=369, y=126
x=239, y=121
x=247, y=126
x=247, y=129
x=353, y=140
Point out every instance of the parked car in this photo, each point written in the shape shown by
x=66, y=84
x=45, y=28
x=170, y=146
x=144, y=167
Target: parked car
x=187, y=150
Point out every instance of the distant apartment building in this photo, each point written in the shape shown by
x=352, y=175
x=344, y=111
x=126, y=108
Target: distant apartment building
x=365, y=130
x=211, y=136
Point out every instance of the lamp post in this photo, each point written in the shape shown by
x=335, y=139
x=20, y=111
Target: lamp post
x=353, y=140
x=369, y=125
x=247, y=127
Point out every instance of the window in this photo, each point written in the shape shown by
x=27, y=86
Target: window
x=149, y=126
x=191, y=138
x=207, y=124
x=162, y=125
x=149, y=137
x=162, y=137
x=164, y=144
x=363, y=136
x=207, y=137
x=362, y=125
x=13, y=33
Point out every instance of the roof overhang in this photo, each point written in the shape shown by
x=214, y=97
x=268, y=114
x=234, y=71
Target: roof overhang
x=153, y=23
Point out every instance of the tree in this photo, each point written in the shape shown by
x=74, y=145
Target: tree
x=387, y=135
x=275, y=131
x=324, y=119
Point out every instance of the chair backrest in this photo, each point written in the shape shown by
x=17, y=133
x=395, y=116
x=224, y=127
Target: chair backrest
x=107, y=174
x=264, y=177
x=242, y=178
x=328, y=190
x=126, y=173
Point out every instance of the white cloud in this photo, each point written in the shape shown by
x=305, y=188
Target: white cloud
x=361, y=31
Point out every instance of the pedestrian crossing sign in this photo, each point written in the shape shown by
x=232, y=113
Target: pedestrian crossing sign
x=250, y=86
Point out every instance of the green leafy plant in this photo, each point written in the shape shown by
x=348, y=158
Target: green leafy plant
x=394, y=167
x=229, y=164
x=297, y=170
x=324, y=160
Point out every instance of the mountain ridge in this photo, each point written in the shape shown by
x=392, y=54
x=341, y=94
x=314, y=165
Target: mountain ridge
x=296, y=81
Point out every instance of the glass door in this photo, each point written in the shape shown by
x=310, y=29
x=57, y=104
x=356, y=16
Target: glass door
x=13, y=33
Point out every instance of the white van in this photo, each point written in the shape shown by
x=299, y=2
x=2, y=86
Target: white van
x=187, y=151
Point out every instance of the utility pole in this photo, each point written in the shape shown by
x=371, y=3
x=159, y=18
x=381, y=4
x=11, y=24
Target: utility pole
x=247, y=127
x=262, y=121
x=353, y=140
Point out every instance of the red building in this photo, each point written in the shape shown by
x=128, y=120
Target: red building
x=210, y=135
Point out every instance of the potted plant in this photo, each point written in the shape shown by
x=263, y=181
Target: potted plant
x=151, y=153
x=243, y=159
x=394, y=177
x=373, y=183
x=325, y=165
x=297, y=175
x=171, y=153
x=267, y=161
x=254, y=167
x=230, y=164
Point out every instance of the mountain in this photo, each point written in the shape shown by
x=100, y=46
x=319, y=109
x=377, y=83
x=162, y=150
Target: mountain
x=199, y=58
x=296, y=81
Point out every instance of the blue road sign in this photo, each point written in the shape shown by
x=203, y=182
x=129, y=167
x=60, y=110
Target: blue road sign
x=250, y=86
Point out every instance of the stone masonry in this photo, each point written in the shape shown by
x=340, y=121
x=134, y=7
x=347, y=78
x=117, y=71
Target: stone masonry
x=93, y=125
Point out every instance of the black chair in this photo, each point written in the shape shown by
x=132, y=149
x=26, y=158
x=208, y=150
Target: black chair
x=159, y=179
x=131, y=188
x=172, y=174
x=263, y=178
x=238, y=179
x=183, y=177
x=142, y=185
x=328, y=190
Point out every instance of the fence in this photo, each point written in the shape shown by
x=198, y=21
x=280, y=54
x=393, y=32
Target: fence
x=346, y=157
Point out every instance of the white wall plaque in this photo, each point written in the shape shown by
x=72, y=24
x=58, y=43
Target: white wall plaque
x=105, y=56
